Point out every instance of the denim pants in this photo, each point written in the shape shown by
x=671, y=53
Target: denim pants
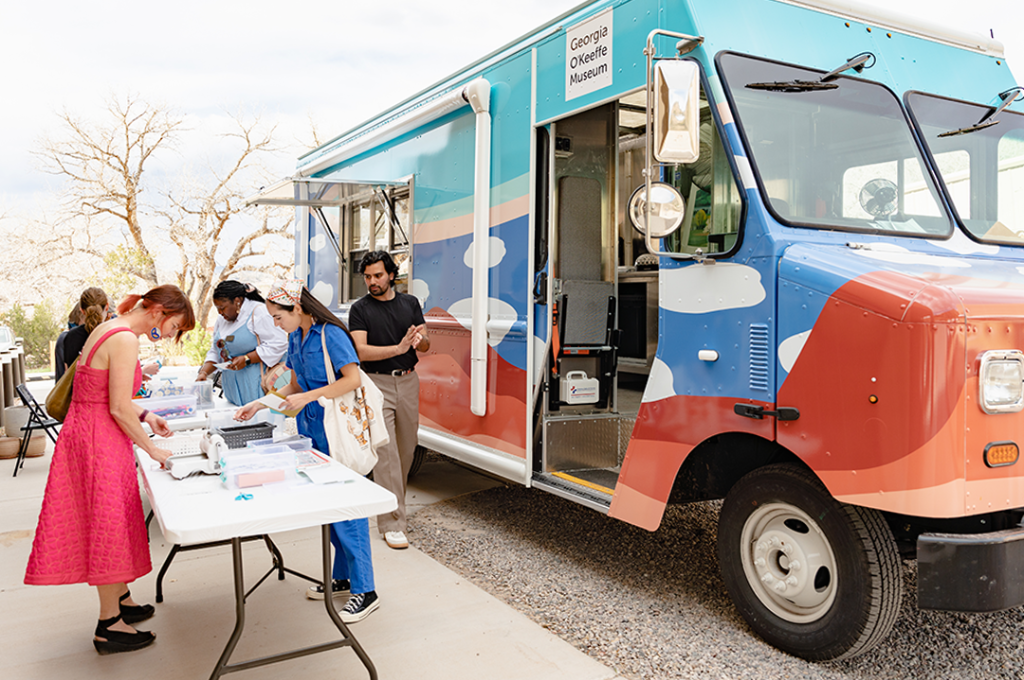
x=352, y=560
x=351, y=539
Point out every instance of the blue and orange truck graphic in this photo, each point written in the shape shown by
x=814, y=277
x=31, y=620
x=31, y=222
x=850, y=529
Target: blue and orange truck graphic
x=785, y=242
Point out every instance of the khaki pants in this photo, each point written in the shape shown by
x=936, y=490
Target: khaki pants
x=402, y=417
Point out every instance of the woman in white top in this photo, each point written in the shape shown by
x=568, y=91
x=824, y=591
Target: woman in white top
x=246, y=338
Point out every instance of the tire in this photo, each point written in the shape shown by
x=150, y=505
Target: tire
x=417, y=461
x=812, y=576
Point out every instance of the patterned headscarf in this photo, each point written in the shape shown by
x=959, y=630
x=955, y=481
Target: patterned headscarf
x=287, y=292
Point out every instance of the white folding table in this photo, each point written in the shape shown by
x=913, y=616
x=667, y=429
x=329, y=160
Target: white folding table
x=201, y=510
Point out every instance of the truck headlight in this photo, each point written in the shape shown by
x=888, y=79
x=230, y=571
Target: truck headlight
x=1001, y=381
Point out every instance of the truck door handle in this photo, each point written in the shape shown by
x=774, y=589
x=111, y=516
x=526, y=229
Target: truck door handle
x=758, y=412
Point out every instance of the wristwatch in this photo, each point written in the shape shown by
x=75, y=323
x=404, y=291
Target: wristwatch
x=247, y=360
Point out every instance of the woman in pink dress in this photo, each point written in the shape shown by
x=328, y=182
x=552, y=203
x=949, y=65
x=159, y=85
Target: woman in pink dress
x=91, y=528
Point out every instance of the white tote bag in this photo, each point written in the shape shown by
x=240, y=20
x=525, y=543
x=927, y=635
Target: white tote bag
x=353, y=421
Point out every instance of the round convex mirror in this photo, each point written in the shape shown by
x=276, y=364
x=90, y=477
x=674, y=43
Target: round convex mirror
x=667, y=209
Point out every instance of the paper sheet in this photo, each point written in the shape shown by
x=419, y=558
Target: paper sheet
x=273, y=400
x=325, y=474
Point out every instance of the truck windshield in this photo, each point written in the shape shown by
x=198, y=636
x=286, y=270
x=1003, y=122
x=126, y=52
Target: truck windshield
x=838, y=158
x=983, y=169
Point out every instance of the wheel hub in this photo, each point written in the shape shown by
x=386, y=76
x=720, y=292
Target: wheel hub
x=788, y=562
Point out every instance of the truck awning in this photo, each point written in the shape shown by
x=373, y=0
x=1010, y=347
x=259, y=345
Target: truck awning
x=316, y=193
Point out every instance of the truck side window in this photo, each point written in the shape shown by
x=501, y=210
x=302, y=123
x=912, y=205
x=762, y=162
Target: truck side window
x=378, y=221
x=712, y=197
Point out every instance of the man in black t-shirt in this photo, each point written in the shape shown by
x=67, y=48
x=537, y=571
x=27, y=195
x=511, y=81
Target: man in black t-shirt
x=388, y=329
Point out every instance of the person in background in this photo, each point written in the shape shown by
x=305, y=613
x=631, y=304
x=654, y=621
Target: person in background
x=94, y=310
x=245, y=336
x=306, y=320
x=388, y=329
x=91, y=527
x=59, y=366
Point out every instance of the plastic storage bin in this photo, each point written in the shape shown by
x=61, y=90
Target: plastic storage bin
x=295, y=443
x=177, y=406
x=238, y=436
x=203, y=389
x=243, y=470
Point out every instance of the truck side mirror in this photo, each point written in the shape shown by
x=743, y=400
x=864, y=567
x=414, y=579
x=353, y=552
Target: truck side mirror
x=667, y=209
x=676, y=111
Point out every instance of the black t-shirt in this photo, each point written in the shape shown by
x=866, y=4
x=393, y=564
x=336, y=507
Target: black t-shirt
x=386, y=323
x=58, y=356
x=74, y=341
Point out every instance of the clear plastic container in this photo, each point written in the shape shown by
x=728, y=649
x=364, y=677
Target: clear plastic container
x=177, y=406
x=160, y=387
x=243, y=470
x=222, y=417
x=203, y=389
x=294, y=443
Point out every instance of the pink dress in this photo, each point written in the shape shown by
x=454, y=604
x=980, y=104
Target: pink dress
x=91, y=527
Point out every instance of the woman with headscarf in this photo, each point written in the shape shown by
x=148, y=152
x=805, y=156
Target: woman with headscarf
x=246, y=338
x=309, y=324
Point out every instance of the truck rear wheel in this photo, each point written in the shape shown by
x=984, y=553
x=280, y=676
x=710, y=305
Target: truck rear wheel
x=812, y=576
x=417, y=460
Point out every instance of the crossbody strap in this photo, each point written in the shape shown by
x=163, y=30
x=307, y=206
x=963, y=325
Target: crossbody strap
x=327, y=357
x=88, y=360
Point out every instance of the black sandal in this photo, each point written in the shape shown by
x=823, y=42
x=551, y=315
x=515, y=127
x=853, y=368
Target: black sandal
x=116, y=641
x=133, y=613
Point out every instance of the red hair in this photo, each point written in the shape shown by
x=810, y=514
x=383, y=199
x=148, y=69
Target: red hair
x=167, y=299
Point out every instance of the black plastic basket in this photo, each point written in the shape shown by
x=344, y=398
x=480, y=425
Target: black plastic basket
x=237, y=436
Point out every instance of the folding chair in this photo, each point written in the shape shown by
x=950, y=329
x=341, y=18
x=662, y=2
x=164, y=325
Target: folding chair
x=38, y=419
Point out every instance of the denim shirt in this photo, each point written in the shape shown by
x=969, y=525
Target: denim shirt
x=306, y=358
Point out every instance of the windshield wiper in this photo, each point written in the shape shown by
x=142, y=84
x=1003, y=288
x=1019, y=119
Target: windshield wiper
x=1008, y=98
x=793, y=86
x=857, y=63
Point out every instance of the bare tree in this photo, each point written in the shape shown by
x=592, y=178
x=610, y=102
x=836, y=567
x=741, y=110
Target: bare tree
x=54, y=258
x=104, y=164
x=106, y=233
x=198, y=221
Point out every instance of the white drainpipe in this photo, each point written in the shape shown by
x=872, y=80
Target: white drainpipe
x=478, y=93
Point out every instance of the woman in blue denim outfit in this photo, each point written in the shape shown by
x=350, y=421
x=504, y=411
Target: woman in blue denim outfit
x=305, y=319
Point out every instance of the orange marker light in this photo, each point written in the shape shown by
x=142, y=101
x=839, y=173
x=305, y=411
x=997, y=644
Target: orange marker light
x=999, y=454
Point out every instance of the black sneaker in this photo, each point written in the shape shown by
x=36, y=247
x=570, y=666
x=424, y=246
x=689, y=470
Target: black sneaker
x=340, y=586
x=359, y=607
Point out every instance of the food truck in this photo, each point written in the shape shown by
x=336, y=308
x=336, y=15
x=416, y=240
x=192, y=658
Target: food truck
x=765, y=251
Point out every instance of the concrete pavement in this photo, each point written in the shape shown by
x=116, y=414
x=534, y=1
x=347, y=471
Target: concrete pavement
x=431, y=622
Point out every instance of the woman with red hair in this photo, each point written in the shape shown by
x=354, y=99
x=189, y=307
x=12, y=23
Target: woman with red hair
x=91, y=528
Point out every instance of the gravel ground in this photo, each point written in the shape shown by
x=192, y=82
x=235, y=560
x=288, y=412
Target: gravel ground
x=652, y=605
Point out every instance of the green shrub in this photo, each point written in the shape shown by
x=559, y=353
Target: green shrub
x=193, y=347
x=36, y=331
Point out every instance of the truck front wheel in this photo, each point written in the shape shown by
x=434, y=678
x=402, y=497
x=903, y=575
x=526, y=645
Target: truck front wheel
x=812, y=576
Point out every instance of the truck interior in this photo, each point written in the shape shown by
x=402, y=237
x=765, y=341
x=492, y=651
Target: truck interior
x=604, y=306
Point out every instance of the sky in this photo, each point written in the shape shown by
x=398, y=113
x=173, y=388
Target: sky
x=337, y=62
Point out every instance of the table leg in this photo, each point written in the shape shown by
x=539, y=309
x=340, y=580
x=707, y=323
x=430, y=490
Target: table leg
x=236, y=558
x=348, y=640
x=275, y=553
x=329, y=602
x=278, y=559
x=163, y=570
